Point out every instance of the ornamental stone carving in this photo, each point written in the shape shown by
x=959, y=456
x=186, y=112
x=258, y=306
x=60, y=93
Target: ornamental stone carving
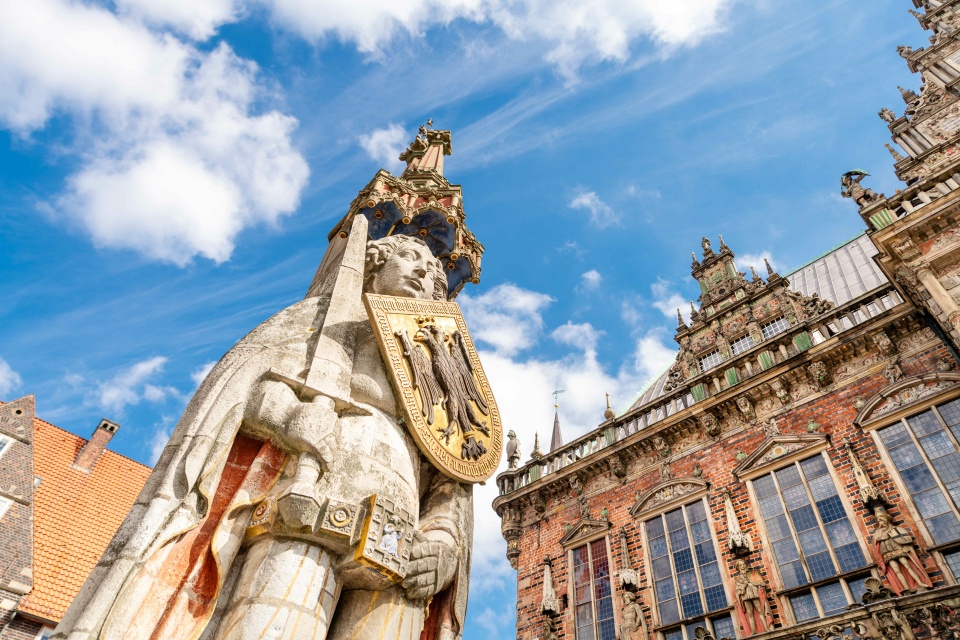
x=746, y=408
x=780, y=389
x=737, y=541
x=711, y=426
x=869, y=494
x=818, y=371
x=549, y=603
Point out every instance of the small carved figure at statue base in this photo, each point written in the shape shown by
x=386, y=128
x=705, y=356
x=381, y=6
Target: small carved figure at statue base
x=893, y=547
x=752, y=605
x=632, y=625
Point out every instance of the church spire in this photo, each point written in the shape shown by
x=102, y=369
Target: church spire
x=556, y=440
x=425, y=154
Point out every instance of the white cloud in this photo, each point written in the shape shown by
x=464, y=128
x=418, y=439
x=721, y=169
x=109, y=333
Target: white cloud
x=574, y=31
x=197, y=20
x=668, y=301
x=506, y=317
x=198, y=374
x=160, y=438
x=174, y=159
x=601, y=214
x=10, y=380
x=590, y=280
x=130, y=385
x=755, y=260
x=385, y=145
x=522, y=386
x=580, y=336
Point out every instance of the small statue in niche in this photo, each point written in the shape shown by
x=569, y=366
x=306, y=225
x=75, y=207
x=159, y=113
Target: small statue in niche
x=893, y=547
x=752, y=605
x=549, y=629
x=632, y=625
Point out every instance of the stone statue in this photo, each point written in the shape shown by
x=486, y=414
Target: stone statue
x=850, y=188
x=262, y=516
x=893, y=547
x=887, y=115
x=632, y=624
x=513, y=450
x=752, y=605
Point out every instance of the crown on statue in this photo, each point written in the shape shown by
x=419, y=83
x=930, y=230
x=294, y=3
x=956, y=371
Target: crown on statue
x=421, y=202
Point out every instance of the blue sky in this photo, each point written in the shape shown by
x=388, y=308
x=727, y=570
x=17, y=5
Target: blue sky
x=169, y=172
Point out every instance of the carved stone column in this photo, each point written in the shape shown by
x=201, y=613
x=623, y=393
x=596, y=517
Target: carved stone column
x=929, y=280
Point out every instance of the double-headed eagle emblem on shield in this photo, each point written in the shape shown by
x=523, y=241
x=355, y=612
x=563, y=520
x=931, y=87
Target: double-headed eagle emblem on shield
x=434, y=368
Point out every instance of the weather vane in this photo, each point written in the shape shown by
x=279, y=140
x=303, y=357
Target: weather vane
x=556, y=397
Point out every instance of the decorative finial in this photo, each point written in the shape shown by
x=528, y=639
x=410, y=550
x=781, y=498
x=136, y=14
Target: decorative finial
x=770, y=271
x=536, y=454
x=696, y=264
x=609, y=413
x=753, y=272
x=893, y=152
x=705, y=245
x=908, y=96
x=723, y=246
x=680, y=323
x=693, y=313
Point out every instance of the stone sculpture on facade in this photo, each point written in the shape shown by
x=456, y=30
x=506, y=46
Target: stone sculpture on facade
x=513, y=450
x=850, y=188
x=632, y=624
x=629, y=580
x=752, y=604
x=294, y=499
x=893, y=547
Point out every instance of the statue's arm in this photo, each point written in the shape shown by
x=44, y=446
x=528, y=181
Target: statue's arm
x=274, y=412
x=440, y=542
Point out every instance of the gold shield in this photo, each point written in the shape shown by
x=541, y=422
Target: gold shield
x=435, y=371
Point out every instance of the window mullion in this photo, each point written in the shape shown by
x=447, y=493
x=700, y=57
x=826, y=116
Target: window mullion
x=693, y=559
x=816, y=514
x=593, y=594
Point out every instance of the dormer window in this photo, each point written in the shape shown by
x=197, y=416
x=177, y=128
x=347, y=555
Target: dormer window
x=741, y=344
x=774, y=327
x=710, y=360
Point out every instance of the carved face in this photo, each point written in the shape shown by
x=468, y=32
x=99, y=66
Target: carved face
x=408, y=272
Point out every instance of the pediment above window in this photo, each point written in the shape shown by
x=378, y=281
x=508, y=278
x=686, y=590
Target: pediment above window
x=906, y=394
x=668, y=494
x=584, y=531
x=776, y=450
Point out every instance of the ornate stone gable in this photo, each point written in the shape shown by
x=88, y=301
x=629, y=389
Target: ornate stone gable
x=905, y=393
x=584, y=531
x=777, y=448
x=668, y=493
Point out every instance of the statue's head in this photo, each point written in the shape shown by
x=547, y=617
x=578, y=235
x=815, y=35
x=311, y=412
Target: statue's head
x=511, y=434
x=741, y=565
x=403, y=266
x=628, y=597
x=883, y=518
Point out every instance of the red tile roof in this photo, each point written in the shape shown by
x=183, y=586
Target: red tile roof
x=75, y=516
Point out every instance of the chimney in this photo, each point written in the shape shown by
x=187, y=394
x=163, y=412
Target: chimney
x=91, y=452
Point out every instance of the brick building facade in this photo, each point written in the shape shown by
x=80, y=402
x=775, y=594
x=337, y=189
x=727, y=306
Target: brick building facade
x=61, y=500
x=796, y=472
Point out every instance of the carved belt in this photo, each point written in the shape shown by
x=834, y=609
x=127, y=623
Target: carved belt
x=376, y=533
